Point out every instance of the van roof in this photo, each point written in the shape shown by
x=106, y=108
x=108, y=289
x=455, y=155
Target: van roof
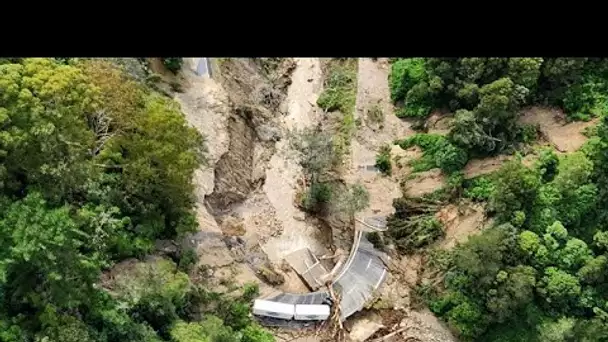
x=312, y=309
x=266, y=305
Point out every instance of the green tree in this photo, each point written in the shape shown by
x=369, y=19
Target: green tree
x=44, y=263
x=525, y=71
x=516, y=189
x=405, y=74
x=560, y=330
x=45, y=141
x=559, y=287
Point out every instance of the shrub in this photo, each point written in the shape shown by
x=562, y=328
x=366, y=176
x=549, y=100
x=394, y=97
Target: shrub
x=187, y=259
x=383, y=160
x=450, y=158
x=317, y=197
x=250, y=291
x=173, y=64
x=528, y=133
x=479, y=188
x=405, y=74
x=340, y=89
x=438, y=152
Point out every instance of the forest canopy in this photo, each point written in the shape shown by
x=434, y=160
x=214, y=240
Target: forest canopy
x=94, y=168
x=539, y=272
x=486, y=94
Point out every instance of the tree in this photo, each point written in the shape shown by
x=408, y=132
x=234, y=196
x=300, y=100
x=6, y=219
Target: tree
x=44, y=263
x=157, y=160
x=525, y=71
x=516, y=190
x=45, y=141
x=560, y=330
x=594, y=271
x=559, y=287
x=515, y=290
x=255, y=333
x=405, y=74
x=189, y=332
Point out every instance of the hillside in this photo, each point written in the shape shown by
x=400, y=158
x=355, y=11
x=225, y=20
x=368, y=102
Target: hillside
x=143, y=201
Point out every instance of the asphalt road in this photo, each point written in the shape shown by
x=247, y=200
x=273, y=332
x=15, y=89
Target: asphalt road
x=203, y=66
x=363, y=273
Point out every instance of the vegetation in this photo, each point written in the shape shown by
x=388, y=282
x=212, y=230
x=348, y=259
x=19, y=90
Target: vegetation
x=322, y=152
x=414, y=224
x=375, y=114
x=486, y=94
x=325, y=194
x=438, y=151
x=479, y=188
x=538, y=274
x=173, y=64
x=339, y=95
x=383, y=160
x=94, y=168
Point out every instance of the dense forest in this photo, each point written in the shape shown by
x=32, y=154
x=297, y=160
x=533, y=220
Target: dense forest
x=540, y=272
x=95, y=166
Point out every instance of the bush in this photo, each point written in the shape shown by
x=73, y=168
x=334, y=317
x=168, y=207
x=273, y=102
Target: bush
x=255, y=333
x=405, y=74
x=438, y=152
x=450, y=158
x=173, y=64
x=528, y=133
x=340, y=88
x=376, y=239
x=250, y=291
x=187, y=259
x=317, y=197
x=479, y=188
x=383, y=160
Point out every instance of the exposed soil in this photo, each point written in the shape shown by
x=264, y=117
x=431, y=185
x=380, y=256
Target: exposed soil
x=425, y=182
x=373, y=93
x=460, y=221
x=283, y=171
x=564, y=136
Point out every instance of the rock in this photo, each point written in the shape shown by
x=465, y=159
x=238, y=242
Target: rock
x=300, y=216
x=210, y=247
x=233, y=226
x=268, y=273
x=364, y=327
x=268, y=133
x=166, y=246
x=394, y=294
x=259, y=174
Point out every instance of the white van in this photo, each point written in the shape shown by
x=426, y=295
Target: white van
x=273, y=309
x=311, y=312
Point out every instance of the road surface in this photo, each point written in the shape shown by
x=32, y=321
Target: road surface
x=202, y=67
x=362, y=274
